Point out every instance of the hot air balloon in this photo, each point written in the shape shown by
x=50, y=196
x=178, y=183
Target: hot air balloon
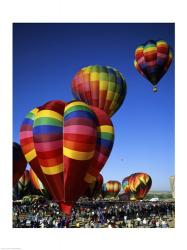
x=66, y=144
x=101, y=86
x=137, y=185
x=19, y=163
x=94, y=189
x=37, y=184
x=152, y=60
x=23, y=185
x=111, y=189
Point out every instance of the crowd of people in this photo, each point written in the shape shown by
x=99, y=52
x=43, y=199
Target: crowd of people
x=95, y=214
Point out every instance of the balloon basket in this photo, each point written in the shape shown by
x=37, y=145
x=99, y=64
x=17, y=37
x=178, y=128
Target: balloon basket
x=155, y=89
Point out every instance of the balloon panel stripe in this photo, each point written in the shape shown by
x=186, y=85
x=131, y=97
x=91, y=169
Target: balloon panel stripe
x=48, y=121
x=45, y=129
x=49, y=114
x=53, y=170
x=77, y=155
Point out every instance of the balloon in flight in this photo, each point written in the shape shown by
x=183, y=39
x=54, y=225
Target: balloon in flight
x=101, y=86
x=152, y=60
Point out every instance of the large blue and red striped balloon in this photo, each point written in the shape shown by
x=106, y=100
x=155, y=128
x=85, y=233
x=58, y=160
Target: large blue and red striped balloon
x=152, y=60
x=67, y=145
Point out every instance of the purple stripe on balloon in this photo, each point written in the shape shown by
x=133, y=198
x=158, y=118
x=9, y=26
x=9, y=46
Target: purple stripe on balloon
x=79, y=129
x=48, y=146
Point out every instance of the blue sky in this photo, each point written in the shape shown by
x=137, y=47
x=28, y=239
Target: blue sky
x=47, y=56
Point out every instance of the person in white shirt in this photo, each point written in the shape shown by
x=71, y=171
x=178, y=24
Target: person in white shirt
x=144, y=222
x=157, y=224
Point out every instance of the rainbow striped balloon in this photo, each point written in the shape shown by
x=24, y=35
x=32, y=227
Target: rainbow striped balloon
x=152, y=60
x=79, y=143
x=104, y=144
x=69, y=143
x=28, y=147
x=101, y=86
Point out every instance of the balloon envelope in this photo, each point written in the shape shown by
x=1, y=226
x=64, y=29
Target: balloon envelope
x=137, y=185
x=152, y=60
x=66, y=144
x=100, y=86
x=111, y=188
x=94, y=189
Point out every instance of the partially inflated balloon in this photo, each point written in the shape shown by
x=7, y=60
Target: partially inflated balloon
x=152, y=60
x=137, y=185
x=101, y=86
x=111, y=188
x=67, y=145
x=37, y=184
x=94, y=189
x=19, y=162
x=24, y=183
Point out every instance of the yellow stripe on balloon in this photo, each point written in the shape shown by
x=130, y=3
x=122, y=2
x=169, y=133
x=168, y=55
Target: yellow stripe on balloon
x=116, y=187
x=94, y=76
x=161, y=43
x=105, y=128
x=152, y=49
x=75, y=104
x=49, y=113
x=89, y=178
x=35, y=111
x=103, y=85
x=139, y=49
x=77, y=155
x=57, y=169
x=30, y=155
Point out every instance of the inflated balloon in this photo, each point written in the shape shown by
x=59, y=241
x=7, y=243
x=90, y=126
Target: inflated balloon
x=137, y=185
x=19, y=163
x=67, y=144
x=94, y=189
x=152, y=60
x=28, y=147
x=101, y=86
x=104, y=144
x=111, y=188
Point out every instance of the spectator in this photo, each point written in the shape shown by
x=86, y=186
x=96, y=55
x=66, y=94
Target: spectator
x=100, y=214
